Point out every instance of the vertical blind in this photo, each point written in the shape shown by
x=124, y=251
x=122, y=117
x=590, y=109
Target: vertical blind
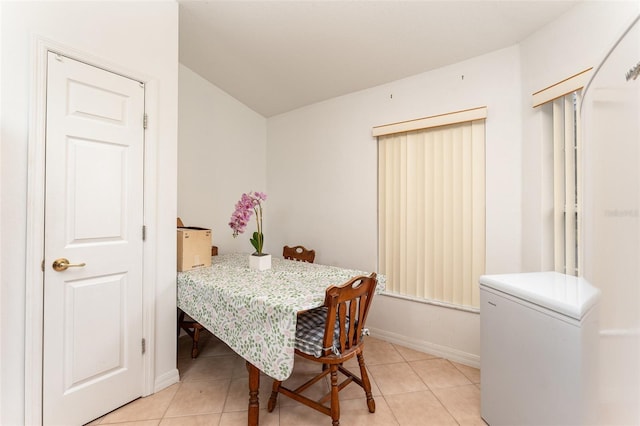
x=566, y=128
x=565, y=96
x=432, y=212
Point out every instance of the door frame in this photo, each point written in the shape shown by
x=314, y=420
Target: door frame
x=34, y=274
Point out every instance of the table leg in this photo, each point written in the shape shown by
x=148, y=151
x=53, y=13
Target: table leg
x=254, y=385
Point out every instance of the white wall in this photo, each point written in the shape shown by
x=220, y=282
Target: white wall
x=322, y=179
x=221, y=154
x=1, y=233
x=325, y=154
x=321, y=165
x=576, y=41
x=611, y=225
x=579, y=40
x=139, y=36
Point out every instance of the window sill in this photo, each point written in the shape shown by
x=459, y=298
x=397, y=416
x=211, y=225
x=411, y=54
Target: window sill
x=469, y=309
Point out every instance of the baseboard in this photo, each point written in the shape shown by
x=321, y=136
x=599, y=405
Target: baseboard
x=167, y=379
x=445, y=352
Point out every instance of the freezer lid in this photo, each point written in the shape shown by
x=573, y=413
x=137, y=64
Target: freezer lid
x=565, y=294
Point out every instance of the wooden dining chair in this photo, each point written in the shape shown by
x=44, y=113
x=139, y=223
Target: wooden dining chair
x=186, y=323
x=331, y=335
x=192, y=328
x=298, y=253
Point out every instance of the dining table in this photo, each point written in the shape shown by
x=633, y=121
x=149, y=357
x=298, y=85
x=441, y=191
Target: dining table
x=254, y=311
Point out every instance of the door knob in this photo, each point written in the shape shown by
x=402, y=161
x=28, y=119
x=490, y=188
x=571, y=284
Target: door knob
x=62, y=264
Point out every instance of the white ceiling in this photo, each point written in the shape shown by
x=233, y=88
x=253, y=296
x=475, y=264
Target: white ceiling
x=275, y=56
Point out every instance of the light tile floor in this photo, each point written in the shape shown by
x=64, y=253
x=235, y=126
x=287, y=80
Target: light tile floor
x=409, y=387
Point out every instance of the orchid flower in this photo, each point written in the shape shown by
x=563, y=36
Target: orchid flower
x=247, y=205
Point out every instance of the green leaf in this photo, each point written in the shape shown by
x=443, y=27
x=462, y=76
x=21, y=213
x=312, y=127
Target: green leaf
x=257, y=242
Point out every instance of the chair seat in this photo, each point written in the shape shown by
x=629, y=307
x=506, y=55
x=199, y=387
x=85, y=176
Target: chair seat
x=310, y=332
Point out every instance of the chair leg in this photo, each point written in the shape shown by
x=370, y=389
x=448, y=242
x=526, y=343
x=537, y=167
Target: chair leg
x=196, y=337
x=180, y=320
x=192, y=328
x=335, y=401
x=274, y=396
x=366, y=384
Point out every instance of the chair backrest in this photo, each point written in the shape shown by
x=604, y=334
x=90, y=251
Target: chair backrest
x=180, y=224
x=298, y=253
x=349, y=304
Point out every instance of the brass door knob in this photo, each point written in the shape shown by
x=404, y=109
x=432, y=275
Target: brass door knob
x=62, y=264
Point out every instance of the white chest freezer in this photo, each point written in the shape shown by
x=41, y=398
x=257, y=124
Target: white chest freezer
x=538, y=349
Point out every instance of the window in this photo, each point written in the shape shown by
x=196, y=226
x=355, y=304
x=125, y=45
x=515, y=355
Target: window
x=563, y=100
x=431, y=197
x=566, y=184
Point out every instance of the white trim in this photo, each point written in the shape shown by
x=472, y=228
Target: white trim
x=35, y=220
x=561, y=88
x=1, y=351
x=620, y=332
x=445, y=352
x=167, y=379
x=151, y=136
x=433, y=121
x=35, y=238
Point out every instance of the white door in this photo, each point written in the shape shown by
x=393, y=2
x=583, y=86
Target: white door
x=92, y=361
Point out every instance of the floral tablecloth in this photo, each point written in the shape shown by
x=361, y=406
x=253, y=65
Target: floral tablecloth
x=254, y=312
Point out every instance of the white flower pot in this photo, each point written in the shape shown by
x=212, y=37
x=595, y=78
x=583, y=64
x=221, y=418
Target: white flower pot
x=260, y=262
